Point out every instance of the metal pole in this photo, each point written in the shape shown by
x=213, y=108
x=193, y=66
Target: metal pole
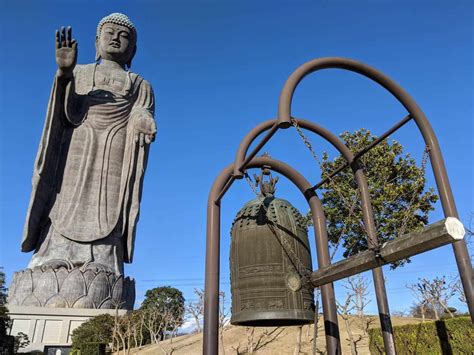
x=442, y=182
x=364, y=151
x=369, y=223
x=211, y=288
x=385, y=135
x=327, y=291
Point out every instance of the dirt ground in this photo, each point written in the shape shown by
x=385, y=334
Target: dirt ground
x=275, y=341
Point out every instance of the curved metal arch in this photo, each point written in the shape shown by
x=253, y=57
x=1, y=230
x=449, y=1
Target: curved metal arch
x=286, y=97
x=437, y=163
x=211, y=298
x=241, y=156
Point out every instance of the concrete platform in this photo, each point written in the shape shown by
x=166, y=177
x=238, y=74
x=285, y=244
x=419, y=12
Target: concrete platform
x=51, y=326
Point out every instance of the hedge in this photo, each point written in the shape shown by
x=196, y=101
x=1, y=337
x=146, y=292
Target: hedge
x=447, y=336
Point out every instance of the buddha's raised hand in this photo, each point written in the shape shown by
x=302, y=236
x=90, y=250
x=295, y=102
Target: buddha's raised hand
x=66, y=52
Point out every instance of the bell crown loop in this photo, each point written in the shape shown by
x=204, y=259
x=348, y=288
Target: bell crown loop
x=267, y=188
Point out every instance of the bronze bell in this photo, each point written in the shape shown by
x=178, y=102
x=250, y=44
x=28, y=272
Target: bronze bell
x=270, y=262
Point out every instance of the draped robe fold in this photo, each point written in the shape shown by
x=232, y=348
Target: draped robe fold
x=89, y=168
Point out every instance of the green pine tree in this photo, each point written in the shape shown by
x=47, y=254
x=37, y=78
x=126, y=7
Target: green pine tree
x=397, y=189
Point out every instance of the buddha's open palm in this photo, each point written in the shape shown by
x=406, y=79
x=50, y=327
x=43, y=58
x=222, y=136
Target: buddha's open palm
x=66, y=52
x=145, y=128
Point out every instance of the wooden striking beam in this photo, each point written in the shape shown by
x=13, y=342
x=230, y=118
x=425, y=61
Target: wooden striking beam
x=433, y=236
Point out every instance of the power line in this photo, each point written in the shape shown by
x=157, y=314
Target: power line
x=200, y=285
x=225, y=279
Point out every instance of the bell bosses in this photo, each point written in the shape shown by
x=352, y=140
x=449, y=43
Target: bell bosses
x=92, y=156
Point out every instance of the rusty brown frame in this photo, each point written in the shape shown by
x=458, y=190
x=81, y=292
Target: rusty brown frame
x=242, y=162
x=437, y=162
x=211, y=294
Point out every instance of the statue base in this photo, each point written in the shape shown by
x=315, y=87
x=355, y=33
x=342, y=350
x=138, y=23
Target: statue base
x=71, y=288
x=51, y=327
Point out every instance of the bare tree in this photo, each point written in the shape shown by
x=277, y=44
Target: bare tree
x=116, y=340
x=250, y=331
x=136, y=324
x=141, y=324
x=356, y=300
x=435, y=293
x=196, y=308
x=317, y=293
x=421, y=301
x=130, y=330
x=459, y=290
x=123, y=332
x=344, y=310
x=266, y=337
x=239, y=351
x=223, y=313
x=299, y=331
x=255, y=343
x=173, y=324
x=399, y=313
x=154, y=323
x=423, y=310
x=308, y=333
x=358, y=286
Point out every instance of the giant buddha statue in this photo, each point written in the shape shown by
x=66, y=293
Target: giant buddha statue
x=88, y=176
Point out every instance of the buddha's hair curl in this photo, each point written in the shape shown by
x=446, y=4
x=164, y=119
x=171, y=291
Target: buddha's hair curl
x=117, y=19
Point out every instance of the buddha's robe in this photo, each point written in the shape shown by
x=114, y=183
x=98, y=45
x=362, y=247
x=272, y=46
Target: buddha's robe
x=89, y=168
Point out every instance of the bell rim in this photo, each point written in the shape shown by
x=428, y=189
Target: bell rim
x=263, y=318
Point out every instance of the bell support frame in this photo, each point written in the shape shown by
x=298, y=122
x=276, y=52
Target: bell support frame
x=437, y=162
x=242, y=162
x=211, y=294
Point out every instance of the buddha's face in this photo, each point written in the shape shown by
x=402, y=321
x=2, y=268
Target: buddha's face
x=116, y=43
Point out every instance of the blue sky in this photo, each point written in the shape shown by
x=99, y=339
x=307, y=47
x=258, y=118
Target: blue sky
x=217, y=68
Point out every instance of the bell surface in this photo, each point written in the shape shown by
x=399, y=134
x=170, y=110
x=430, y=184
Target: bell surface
x=270, y=263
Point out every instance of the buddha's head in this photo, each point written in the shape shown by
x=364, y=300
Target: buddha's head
x=116, y=39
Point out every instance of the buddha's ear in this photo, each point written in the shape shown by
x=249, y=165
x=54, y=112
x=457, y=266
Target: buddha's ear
x=129, y=63
x=97, y=54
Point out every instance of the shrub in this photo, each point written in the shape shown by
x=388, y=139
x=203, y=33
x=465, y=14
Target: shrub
x=96, y=330
x=447, y=336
